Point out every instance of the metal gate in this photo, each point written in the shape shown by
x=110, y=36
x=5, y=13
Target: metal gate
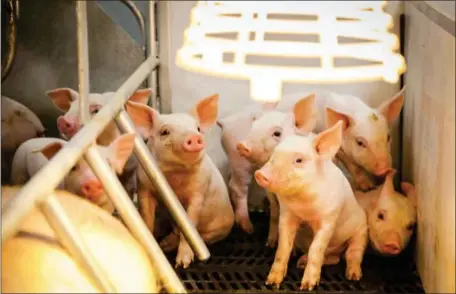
x=35, y=193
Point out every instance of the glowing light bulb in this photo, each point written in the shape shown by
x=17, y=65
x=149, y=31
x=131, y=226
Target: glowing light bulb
x=364, y=22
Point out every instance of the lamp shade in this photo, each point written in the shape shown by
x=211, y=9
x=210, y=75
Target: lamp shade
x=224, y=37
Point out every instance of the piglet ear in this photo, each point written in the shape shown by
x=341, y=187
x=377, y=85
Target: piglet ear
x=410, y=192
x=144, y=118
x=333, y=116
x=305, y=114
x=388, y=185
x=120, y=150
x=51, y=149
x=62, y=97
x=141, y=96
x=327, y=143
x=206, y=111
x=391, y=108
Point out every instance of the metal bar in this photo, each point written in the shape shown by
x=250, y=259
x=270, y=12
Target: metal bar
x=83, y=61
x=139, y=18
x=54, y=171
x=152, y=51
x=11, y=39
x=167, y=194
x=69, y=236
x=133, y=220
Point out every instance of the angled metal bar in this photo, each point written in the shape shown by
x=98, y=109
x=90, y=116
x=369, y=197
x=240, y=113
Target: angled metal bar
x=133, y=220
x=167, y=194
x=46, y=180
x=152, y=50
x=83, y=61
x=70, y=238
x=139, y=18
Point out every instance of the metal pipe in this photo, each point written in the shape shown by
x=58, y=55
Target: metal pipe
x=166, y=193
x=139, y=18
x=69, y=236
x=133, y=220
x=46, y=179
x=83, y=61
x=152, y=50
x=11, y=39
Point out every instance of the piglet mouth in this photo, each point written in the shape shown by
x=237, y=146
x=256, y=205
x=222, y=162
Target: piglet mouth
x=262, y=180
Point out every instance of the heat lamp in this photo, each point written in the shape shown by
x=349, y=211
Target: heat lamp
x=242, y=29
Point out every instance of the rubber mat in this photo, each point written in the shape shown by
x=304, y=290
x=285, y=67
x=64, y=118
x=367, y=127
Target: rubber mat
x=241, y=263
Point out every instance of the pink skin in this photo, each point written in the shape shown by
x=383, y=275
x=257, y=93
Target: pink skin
x=176, y=142
x=391, y=215
x=299, y=172
x=92, y=189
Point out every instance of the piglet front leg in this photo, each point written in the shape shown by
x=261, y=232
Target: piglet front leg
x=316, y=256
x=288, y=225
x=185, y=253
x=355, y=252
x=273, y=220
x=147, y=206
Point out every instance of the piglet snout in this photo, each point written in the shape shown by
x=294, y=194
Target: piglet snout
x=67, y=127
x=262, y=179
x=243, y=149
x=92, y=190
x=391, y=248
x=194, y=143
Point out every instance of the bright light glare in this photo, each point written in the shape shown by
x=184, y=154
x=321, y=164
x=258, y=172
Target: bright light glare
x=363, y=21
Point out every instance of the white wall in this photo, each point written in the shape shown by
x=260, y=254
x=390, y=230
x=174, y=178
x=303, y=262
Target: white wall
x=429, y=146
x=185, y=88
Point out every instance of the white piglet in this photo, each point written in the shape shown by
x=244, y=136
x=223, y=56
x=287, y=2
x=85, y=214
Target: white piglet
x=268, y=130
x=34, y=154
x=311, y=189
x=176, y=141
x=67, y=100
x=391, y=216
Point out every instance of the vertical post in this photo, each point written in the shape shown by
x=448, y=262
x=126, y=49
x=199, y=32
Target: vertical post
x=152, y=51
x=134, y=221
x=68, y=235
x=83, y=61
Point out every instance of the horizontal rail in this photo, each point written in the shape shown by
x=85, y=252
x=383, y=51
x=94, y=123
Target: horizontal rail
x=46, y=180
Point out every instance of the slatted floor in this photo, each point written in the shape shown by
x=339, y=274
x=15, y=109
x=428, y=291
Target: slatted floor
x=242, y=262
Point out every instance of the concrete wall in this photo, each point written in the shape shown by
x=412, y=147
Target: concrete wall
x=186, y=88
x=429, y=142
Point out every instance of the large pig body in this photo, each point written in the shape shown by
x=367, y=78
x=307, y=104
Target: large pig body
x=67, y=100
x=34, y=154
x=176, y=141
x=35, y=261
x=18, y=125
x=391, y=216
x=269, y=129
x=311, y=189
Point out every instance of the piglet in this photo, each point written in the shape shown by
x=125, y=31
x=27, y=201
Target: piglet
x=268, y=130
x=391, y=216
x=32, y=155
x=34, y=260
x=366, y=146
x=176, y=141
x=67, y=100
x=18, y=125
x=311, y=189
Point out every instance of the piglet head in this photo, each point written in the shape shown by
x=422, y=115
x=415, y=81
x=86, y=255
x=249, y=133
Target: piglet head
x=175, y=138
x=67, y=100
x=367, y=138
x=273, y=126
x=296, y=162
x=392, y=218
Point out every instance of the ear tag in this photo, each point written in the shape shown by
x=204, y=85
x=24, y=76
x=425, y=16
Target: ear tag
x=373, y=117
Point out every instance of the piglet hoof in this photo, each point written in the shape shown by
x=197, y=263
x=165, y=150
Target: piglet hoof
x=275, y=276
x=353, y=273
x=302, y=261
x=246, y=225
x=311, y=278
x=184, y=258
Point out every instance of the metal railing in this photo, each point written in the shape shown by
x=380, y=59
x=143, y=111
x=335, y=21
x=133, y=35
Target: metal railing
x=39, y=190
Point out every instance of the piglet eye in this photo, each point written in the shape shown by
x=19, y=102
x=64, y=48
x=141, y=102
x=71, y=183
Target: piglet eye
x=410, y=227
x=389, y=137
x=199, y=129
x=95, y=111
x=164, y=132
x=74, y=168
x=381, y=216
x=360, y=142
x=277, y=134
x=299, y=160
